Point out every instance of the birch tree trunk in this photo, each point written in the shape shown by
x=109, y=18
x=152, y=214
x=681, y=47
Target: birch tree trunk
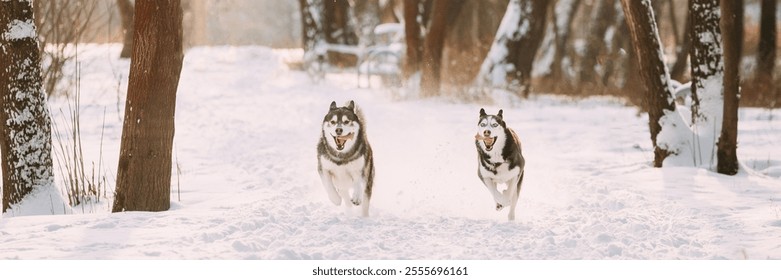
x=25, y=124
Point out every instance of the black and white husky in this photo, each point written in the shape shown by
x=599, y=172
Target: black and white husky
x=344, y=157
x=500, y=160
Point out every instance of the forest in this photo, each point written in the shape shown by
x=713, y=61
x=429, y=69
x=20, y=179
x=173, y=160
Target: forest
x=186, y=129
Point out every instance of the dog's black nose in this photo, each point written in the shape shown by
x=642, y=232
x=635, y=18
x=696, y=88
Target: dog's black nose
x=339, y=131
x=487, y=133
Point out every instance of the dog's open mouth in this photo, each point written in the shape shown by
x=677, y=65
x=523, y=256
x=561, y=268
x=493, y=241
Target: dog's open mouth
x=341, y=140
x=488, y=141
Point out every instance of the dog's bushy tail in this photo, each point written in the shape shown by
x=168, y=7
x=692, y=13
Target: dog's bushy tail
x=361, y=118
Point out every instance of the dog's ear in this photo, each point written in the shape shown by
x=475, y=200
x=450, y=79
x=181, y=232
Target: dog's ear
x=351, y=106
x=500, y=114
x=333, y=105
x=482, y=112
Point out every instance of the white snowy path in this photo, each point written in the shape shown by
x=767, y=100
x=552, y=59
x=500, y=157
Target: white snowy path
x=246, y=129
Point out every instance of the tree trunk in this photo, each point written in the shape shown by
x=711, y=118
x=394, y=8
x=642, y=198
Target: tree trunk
x=339, y=30
x=615, y=58
x=766, y=54
x=654, y=75
x=144, y=171
x=367, y=14
x=682, y=51
x=595, y=41
x=707, y=74
x=126, y=13
x=564, y=14
x=412, y=36
x=25, y=124
x=433, y=45
x=311, y=24
x=509, y=62
x=732, y=27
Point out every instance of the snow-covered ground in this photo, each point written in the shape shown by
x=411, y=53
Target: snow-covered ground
x=246, y=129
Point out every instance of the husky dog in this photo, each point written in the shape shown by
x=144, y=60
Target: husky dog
x=344, y=157
x=500, y=160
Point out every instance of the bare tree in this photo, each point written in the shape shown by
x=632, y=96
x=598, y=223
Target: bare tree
x=338, y=29
x=509, y=62
x=126, y=13
x=602, y=18
x=682, y=50
x=648, y=50
x=25, y=124
x=61, y=24
x=766, y=54
x=563, y=17
x=311, y=24
x=144, y=170
x=413, y=10
x=434, y=43
x=732, y=27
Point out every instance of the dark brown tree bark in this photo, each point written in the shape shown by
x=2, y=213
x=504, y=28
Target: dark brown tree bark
x=339, y=30
x=431, y=66
x=766, y=54
x=602, y=18
x=682, y=51
x=144, y=171
x=126, y=13
x=568, y=9
x=732, y=30
x=25, y=124
x=654, y=75
x=512, y=54
x=412, y=37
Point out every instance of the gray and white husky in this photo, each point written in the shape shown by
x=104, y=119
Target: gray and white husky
x=344, y=157
x=500, y=160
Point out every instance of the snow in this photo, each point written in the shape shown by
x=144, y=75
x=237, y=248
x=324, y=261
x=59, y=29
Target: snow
x=18, y=30
x=245, y=184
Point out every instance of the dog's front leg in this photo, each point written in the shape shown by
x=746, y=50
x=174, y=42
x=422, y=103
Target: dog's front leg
x=499, y=198
x=328, y=184
x=359, y=187
x=512, y=195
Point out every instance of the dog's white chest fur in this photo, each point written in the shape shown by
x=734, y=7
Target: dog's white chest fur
x=344, y=175
x=503, y=173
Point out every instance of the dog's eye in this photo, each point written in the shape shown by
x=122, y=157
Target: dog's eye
x=333, y=122
x=482, y=125
x=346, y=122
x=494, y=125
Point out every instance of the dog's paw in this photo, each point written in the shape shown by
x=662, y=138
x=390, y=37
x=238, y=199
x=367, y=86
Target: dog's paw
x=356, y=201
x=499, y=207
